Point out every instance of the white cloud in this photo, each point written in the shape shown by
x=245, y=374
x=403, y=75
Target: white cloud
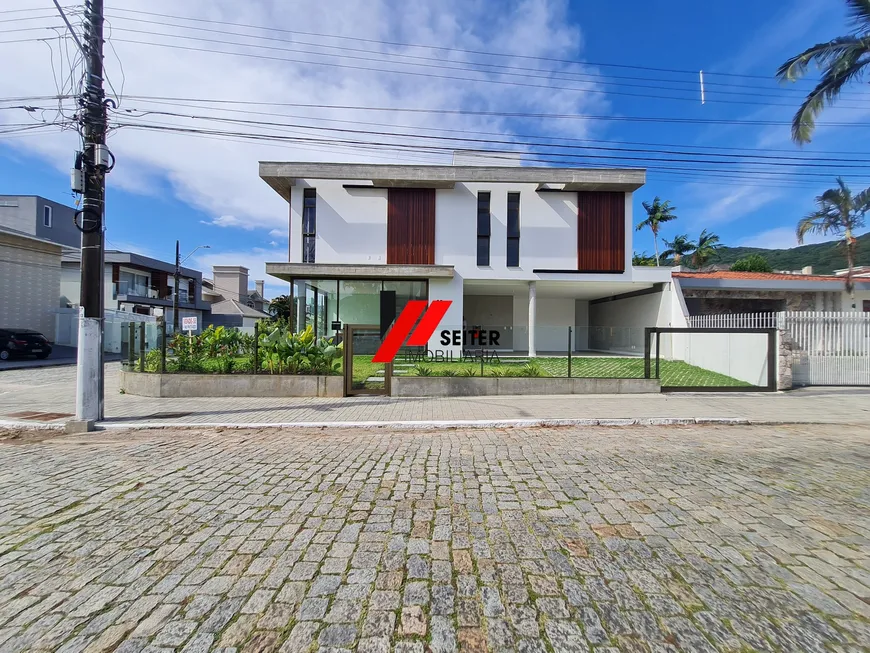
x=229, y=221
x=707, y=205
x=278, y=233
x=218, y=175
x=781, y=238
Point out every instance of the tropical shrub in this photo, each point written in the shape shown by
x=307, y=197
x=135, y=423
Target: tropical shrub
x=285, y=352
x=422, y=370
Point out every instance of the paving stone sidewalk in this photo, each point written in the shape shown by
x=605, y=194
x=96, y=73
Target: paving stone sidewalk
x=53, y=391
x=644, y=539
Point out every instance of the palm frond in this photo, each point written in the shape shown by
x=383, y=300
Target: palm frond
x=859, y=13
x=862, y=203
x=822, y=53
x=849, y=66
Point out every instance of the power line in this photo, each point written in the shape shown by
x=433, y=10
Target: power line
x=516, y=135
x=500, y=114
x=442, y=48
x=420, y=74
x=774, y=160
x=538, y=72
x=533, y=156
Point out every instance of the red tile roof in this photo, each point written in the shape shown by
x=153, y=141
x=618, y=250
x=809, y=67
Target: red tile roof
x=758, y=276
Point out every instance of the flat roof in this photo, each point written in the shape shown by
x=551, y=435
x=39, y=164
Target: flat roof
x=115, y=256
x=288, y=271
x=282, y=176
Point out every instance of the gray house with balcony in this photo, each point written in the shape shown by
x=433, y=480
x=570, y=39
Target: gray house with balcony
x=41, y=218
x=137, y=284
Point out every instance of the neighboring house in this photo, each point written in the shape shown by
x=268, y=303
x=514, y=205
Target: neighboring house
x=722, y=292
x=30, y=273
x=529, y=251
x=137, y=284
x=231, y=302
x=41, y=218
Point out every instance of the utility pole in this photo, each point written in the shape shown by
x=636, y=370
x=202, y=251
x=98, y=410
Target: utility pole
x=175, y=289
x=95, y=164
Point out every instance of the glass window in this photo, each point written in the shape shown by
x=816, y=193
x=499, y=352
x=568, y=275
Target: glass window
x=46, y=216
x=359, y=302
x=484, y=228
x=513, y=230
x=309, y=224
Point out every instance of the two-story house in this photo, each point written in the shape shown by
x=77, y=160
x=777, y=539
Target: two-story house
x=137, y=284
x=529, y=251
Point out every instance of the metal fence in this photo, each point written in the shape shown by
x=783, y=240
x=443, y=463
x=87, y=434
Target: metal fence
x=734, y=321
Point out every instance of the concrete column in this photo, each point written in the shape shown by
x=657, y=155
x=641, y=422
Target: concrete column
x=533, y=300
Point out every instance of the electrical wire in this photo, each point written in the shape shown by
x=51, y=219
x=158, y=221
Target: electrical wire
x=545, y=157
x=431, y=75
x=661, y=148
x=567, y=75
x=500, y=114
x=444, y=49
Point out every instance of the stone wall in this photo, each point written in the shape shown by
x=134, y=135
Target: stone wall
x=715, y=302
x=785, y=360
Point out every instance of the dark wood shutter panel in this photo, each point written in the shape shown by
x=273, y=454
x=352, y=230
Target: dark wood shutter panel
x=601, y=231
x=411, y=226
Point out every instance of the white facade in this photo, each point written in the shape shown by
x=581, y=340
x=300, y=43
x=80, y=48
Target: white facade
x=544, y=295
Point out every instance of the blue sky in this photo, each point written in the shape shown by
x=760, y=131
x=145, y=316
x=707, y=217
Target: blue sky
x=205, y=190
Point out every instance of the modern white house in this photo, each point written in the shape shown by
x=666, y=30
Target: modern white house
x=529, y=251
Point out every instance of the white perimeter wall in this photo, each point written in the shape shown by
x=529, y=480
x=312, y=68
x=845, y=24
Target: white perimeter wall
x=741, y=356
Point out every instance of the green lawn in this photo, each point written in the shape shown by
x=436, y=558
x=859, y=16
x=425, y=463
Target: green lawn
x=673, y=373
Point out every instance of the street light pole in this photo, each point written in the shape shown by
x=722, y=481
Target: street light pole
x=178, y=262
x=175, y=288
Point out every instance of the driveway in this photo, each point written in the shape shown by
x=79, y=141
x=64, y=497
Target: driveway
x=605, y=539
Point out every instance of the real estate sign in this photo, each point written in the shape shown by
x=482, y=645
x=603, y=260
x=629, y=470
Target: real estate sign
x=189, y=323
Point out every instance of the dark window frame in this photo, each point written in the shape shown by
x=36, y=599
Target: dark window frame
x=309, y=224
x=47, y=217
x=513, y=230
x=484, y=228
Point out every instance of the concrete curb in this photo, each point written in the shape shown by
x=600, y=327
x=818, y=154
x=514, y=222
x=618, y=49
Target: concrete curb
x=447, y=424
x=420, y=425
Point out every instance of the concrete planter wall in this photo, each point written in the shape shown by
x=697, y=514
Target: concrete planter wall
x=453, y=386
x=230, y=385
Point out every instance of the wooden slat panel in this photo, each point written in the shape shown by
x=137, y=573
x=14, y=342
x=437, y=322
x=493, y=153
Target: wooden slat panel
x=601, y=231
x=411, y=226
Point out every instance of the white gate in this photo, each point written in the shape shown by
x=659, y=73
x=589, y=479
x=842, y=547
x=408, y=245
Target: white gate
x=830, y=348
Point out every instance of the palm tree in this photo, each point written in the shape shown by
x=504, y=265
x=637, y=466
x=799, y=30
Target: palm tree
x=842, y=60
x=657, y=214
x=705, y=248
x=282, y=307
x=642, y=259
x=840, y=213
x=679, y=247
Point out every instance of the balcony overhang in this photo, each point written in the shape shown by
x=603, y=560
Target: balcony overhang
x=290, y=271
x=283, y=176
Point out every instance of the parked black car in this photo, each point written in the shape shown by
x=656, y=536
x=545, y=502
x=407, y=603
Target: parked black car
x=23, y=342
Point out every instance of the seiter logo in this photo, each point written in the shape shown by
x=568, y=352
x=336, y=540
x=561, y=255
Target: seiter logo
x=401, y=328
x=429, y=316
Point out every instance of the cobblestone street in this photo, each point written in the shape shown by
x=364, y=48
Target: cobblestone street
x=596, y=539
